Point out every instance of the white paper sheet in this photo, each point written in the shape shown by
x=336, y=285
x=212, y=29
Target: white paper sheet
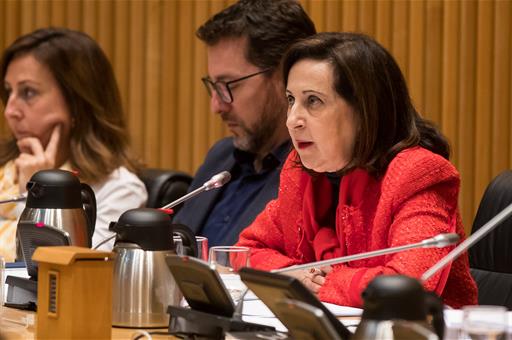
x=453, y=318
x=256, y=311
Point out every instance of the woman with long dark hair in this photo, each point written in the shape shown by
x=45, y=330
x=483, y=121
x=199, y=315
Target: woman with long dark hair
x=367, y=173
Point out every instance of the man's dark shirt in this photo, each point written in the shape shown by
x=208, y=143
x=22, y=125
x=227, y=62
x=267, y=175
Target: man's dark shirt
x=222, y=215
x=245, y=184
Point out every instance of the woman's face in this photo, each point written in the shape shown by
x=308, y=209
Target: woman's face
x=322, y=124
x=35, y=104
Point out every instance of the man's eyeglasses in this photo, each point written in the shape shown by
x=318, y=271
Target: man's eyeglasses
x=223, y=88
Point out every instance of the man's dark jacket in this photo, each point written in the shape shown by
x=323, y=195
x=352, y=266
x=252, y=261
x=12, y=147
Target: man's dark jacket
x=195, y=211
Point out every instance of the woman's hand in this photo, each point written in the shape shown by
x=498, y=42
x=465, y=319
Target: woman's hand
x=33, y=157
x=312, y=278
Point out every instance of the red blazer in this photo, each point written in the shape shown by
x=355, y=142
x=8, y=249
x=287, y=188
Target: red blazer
x=415, y=199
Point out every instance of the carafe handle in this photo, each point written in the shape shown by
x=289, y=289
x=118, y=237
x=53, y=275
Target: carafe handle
x=89, y=203
x=435, y=308
x=188, y=238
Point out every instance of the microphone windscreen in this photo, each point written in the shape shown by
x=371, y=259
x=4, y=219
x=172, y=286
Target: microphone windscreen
x=443, y=240
x=218, y=180
x=222, y=178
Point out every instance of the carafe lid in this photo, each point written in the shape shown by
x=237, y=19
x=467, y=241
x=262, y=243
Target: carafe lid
x=54, y=189
x=390, y=297
x=151, y=229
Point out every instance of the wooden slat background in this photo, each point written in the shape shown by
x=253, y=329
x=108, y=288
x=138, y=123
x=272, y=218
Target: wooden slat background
x=456, y=56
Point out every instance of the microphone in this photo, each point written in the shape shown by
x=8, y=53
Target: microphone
x=457, y=251
x=11, y=199
x=439, y=241
x=215, y=182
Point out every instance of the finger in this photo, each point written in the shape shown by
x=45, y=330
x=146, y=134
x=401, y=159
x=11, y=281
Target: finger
x=23, y=159
x=309, y=284
x=315, y=271
x=30, y=145
x=319, y=280
x=314, y=287
x=326, y=269
x=53, y=144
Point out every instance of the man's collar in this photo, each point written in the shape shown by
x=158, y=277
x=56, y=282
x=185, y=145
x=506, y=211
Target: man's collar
x=273, y=159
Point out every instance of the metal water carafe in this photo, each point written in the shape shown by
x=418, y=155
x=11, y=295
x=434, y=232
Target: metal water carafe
x=57, y=199
x=397, y=307
x=143, y=286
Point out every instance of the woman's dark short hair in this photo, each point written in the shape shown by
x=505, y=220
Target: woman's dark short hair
x=271, y=26
x=370, y=80
x=99, y=140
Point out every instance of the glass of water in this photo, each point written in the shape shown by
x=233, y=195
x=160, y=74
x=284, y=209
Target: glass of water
x=485, y=322
x=2, y=283
x=227, y=260
x=202, y=247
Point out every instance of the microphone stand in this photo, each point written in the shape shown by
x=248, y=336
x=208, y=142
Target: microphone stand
x=186, y=197
x=452, y=255
x=439, y=241
x=215, y=182
x=20, y=198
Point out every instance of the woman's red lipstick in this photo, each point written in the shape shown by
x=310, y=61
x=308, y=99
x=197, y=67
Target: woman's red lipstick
x=303, y=145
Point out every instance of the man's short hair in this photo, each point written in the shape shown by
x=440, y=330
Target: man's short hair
x=271, y=26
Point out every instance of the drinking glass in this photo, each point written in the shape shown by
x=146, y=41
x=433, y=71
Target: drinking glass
x=227, y=260
x=485, y=322
x=202, y=246
x=2, y=284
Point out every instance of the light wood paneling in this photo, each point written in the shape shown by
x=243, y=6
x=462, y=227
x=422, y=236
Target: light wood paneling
x=501, y=85
x=464, y=146
x=456, y=56
x=416, y=63
x=484, y=94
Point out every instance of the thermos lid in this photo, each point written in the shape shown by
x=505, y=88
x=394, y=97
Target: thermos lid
x=390, y=297
x=54, y=189
x=151, y=229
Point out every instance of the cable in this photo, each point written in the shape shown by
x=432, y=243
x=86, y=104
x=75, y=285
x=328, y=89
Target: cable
x=141, y=334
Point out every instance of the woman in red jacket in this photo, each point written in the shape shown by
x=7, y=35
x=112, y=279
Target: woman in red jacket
x=367, y=173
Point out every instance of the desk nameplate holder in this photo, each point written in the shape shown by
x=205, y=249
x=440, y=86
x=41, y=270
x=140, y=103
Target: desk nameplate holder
x=74, y=293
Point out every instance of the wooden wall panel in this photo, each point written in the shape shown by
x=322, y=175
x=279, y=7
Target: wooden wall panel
x=501, y=85
x=464, y=146
x=136, y=30
x=484, y=95
x=169, y=86
x=383, y=22
x=449, y=71
x=349, y=16
x=416, y=63
x=400, y=26
x=456, y=56
x=186, y=95
x=152, y=80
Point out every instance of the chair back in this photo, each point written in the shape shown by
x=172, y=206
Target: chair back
x=164, y=186
x=493, y=288
x=494, y=251
x=490, y=259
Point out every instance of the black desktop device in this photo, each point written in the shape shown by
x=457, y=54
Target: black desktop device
x=212, y=312
x=22, y=292
x=279, y=291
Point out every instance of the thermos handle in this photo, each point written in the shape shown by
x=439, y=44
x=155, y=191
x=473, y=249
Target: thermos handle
x=35, y=189
x=89, y=203
x=435, y=308
x=188, y=238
